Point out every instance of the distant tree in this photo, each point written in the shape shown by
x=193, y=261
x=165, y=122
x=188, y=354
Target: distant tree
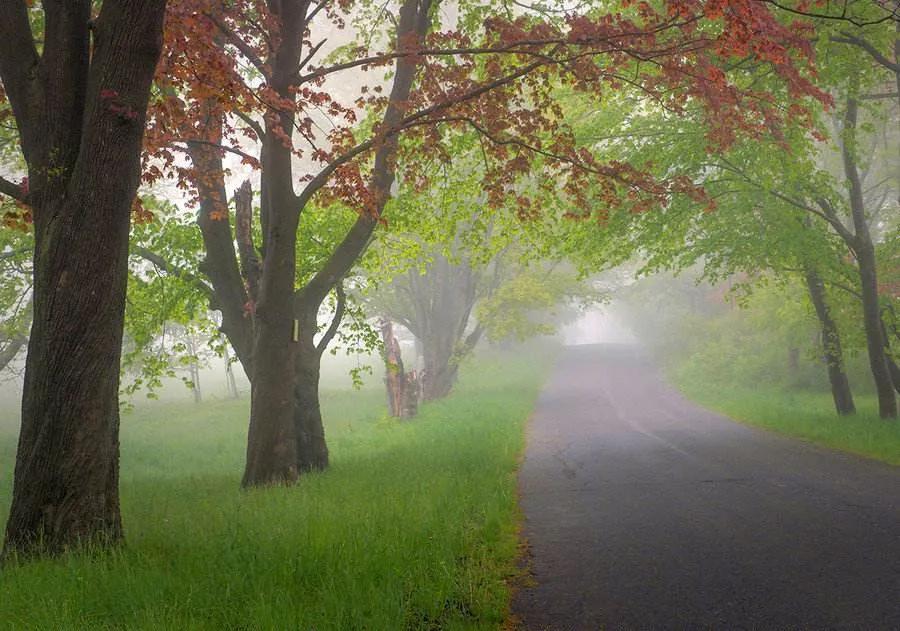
x=785, y=203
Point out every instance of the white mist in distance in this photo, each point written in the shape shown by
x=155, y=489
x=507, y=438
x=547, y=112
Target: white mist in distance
x=601, y=325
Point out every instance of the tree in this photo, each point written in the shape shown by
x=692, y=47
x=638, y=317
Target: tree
x=781, y=210
x=499, y=81
x=79, y=104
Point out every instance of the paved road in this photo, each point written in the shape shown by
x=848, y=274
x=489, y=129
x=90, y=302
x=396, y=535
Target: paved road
x=644, y=511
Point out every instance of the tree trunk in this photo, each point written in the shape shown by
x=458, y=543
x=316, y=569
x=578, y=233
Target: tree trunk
x=831, y=346
x=220, y=264
x=893, y=368
x=312, y=450
x=65, y=489
x=272, y=440
x=441, y=370
x=865, y=257
x=231, y=382
x=402, y=386
x=878, y=361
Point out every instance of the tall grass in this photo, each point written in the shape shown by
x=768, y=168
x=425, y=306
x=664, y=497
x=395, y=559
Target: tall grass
x=803, y=413
x=413, y=526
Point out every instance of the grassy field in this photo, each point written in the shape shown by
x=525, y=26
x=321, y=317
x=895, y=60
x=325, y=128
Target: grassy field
x=413, y=527
x=805, y=414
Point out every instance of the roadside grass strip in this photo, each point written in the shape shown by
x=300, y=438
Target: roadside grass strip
x=805, y=414
x=413, y=526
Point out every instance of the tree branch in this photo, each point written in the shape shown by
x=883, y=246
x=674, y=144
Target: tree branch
x=339, y=310
x=843, y=17
x=196, y=141
x=12, y=190
x=830, y=215
x=235, y=40
x=172, y=270
x=12, y=348
x=874, y=53
x=19, y=61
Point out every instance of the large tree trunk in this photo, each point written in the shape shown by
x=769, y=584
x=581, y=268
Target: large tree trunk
x=443, y=301
x=865, y=258
x=831, y=346
x=65, y=490
x=272, y=441
x=312, y=450
x=440, y=368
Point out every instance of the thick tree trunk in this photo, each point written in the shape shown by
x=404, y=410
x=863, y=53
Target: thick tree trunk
x=272, y=440
x=865, y=258
x=66, y=476
x=65, y=490
x=312, y=450
x=440, y=370
x=831, y=346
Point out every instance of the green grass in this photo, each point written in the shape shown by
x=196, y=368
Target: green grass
x=413, y=526
x=805, y=414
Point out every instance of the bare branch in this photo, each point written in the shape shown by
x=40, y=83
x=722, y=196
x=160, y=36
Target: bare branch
x=339, y=310
x=842, y=17
x=874, y=53
x=235, y=40
x=11, y=349
x=13, y=190
x=238, y=152
x=172, y=270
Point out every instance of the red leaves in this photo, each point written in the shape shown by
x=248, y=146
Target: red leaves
x=672, y=55
x=139, y=213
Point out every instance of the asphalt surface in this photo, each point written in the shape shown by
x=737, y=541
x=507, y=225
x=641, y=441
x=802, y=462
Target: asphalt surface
x=645, y=511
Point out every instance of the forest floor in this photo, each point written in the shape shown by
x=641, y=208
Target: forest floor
x=644, y=510
x=413, y=527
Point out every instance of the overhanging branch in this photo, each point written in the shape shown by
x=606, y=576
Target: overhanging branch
x=11, y=189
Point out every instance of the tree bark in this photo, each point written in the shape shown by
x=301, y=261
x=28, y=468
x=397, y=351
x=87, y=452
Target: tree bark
x=220, y=265
x=312, y=450
x=272, y=440
x=831, y=346
x=402, y=386
x=893, y=368
x=866, y=263
x=80, y=108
